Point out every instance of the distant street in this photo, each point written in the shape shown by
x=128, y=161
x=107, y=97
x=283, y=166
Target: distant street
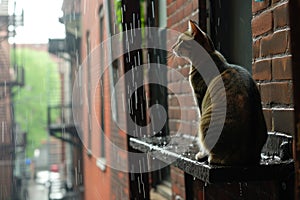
x=37, y=191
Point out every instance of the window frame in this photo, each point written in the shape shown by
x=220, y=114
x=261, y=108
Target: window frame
x=231, y=32
x=101, y=82
x=89, y=93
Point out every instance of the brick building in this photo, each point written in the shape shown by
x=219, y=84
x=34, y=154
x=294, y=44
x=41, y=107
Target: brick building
x=60, y=119
x=7, y=142
x=97, y=177
x=269, y=61
x=254, y=34
x=10, y=75
x=100, y=179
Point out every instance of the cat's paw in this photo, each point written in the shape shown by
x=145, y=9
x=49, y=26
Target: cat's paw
x=200, y=156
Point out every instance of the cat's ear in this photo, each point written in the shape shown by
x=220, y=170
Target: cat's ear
x=193, y=28
x=201, y=36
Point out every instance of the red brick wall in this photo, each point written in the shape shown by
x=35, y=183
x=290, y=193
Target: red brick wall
x=6, y=143
x=178, y=185
x=271, y=69
x=178, y=14
x=96, y=181
x=112, y=183
x=272, y=63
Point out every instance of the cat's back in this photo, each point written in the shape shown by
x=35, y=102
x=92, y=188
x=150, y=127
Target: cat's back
x=244, y=131
x=242, y=95
x=243, y=104
x=237, y=78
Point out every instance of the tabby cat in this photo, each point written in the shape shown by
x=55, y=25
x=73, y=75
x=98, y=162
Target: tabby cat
x=244, y=131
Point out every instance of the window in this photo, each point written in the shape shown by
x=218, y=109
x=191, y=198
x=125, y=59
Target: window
x=102, y=65
x=115, y=78
x=88, y=51
x=230, y=30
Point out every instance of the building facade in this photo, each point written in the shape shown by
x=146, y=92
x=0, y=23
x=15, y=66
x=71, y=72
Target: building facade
x=67, y=55
x=254, y=34
x=266, y=53
x=7, y=142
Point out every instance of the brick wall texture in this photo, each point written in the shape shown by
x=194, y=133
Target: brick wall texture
x=108, y=184
x=271, y=68
x=6, y=143
x=271, y=63
x=182, y=118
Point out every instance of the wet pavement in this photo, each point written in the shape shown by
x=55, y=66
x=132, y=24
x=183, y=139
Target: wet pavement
x=37, y=191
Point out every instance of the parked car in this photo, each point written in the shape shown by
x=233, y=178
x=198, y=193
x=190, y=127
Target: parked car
x=43, y=177
x=54, y=182
x=57, y=189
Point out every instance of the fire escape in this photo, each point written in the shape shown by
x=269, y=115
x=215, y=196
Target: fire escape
x=63, y=127
x=60, y=117
x=13, y=140
x=67, y=49
x=60, y=121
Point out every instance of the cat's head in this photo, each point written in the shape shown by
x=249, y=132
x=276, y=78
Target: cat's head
x=186, y=41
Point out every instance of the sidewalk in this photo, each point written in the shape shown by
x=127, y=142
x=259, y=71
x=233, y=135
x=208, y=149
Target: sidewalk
x=37, y=191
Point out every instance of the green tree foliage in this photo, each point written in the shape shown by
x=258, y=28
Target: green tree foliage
x=41, y=88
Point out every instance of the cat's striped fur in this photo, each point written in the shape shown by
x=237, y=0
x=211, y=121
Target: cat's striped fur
x=244, y=132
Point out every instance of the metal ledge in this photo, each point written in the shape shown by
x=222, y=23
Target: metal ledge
x=181, y=150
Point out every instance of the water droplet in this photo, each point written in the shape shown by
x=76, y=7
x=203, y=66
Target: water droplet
x=241, y=189
x=2, y=135
x=131, y=33
x=133, y=19
x=152, y=4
